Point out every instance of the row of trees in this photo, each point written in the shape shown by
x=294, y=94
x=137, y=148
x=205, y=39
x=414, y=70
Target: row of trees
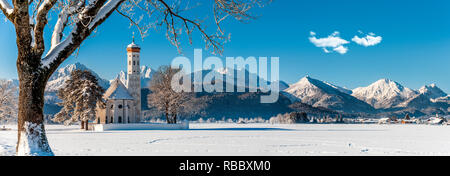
x=8, y=101
x=290, y=118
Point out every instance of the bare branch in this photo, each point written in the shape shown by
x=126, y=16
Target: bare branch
x=174, y=21
x=208, y=38
x=141, y=32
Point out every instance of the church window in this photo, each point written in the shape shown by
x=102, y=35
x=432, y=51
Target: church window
x=120, y=119
x=112, y=106
x=134, y=62
x=138, y=62
x=128, y=119
x=112, y=121
x=106, y=119
x=120, y=106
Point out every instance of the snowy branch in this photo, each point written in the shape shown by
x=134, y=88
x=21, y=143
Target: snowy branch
x=41, y=21
x=6, y=8
x=63, y=18
x=102, y=14
x=92, y=16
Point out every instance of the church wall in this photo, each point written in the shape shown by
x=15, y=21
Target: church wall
x=115, y=113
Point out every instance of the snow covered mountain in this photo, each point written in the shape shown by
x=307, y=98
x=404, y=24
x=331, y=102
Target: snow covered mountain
x=432, y=91
x=57, y=80
x=442, y=99
x=342, y=89
x=321, y=94
x=384, y=93
x=146, y=75
x=430, y=100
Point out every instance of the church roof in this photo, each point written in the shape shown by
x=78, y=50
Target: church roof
x=117, y=91
x=133, y=45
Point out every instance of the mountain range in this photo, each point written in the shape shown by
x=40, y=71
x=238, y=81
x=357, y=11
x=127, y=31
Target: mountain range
x=384, y=97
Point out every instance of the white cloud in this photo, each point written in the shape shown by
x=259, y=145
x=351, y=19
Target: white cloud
x=368, y=40
x=332, y=41
x=341, y=49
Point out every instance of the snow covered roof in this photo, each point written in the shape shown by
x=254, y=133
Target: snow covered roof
x=133, y=45
x=117, y=91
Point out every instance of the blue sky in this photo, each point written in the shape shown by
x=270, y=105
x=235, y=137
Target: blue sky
x=414, y=51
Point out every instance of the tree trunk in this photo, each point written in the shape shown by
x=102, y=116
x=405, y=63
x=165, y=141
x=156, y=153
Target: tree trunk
x=167, y=115
x=87, y=125
x=31, y=132
x=82, y=125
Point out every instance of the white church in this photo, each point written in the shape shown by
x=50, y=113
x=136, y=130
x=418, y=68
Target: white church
x=123, y=102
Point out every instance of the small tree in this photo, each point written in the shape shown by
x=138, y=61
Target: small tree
x=163, y=97
x=80, y=97
x=8, y=101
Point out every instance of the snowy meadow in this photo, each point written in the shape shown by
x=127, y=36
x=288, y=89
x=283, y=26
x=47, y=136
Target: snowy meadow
x=247, y=139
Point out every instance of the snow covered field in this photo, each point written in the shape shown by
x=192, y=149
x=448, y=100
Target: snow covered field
x=248, y=139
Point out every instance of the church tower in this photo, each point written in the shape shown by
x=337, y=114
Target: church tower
x=134, y=77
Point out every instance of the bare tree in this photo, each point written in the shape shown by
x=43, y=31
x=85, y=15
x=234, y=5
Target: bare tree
x=163, y=97
x=80, y=97
x=76, y=20
x=8, y=101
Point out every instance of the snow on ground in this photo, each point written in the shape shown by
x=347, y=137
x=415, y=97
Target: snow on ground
x=248, y=139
